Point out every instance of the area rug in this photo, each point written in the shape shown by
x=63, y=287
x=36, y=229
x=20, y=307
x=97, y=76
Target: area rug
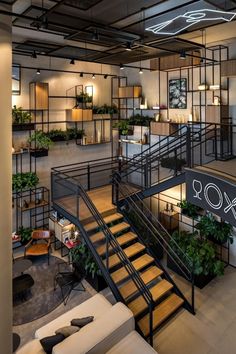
x=42, y=298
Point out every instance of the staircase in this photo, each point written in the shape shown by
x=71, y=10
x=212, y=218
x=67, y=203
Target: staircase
x=166, y=301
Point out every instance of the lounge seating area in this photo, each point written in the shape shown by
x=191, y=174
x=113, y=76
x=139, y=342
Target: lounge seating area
x=111, y=331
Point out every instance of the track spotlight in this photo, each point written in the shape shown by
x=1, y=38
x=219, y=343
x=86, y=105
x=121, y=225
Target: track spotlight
x=182, y=54
x=105, y=76
x=95, y=36
x=121, y=67
x=38, y=72
x=140, y=71
x=81, y=74
x=93, y=76
x=34, y=55
x=72, y=62
x=128, y=46
x=44, y=23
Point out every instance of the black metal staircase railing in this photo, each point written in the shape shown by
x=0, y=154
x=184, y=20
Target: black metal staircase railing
x=69, y=190
x=153, y=235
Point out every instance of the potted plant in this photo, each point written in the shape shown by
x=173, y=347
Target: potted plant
x=218, y=232
x=189, y=209
x=57, y=135
x=200, y=252
x=104, y=112
x=83, y=98
x=41, y=143
x=94, y=276
x=25, y=234
x=173, y=163
x=21, y=120
x=24, y=181
x=123, y=127
x=140, y=120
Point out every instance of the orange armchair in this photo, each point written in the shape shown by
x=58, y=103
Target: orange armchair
x=35, y=248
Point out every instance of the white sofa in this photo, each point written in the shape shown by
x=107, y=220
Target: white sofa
x=112, y=331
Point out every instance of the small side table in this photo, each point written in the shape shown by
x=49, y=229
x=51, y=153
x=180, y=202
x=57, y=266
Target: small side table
x=15, y=341
x=169, y=219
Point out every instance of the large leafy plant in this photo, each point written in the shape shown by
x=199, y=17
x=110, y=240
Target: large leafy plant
x=123, y=127
x=173, y=163
x=200, y=251
x=25, y=234
x=24, y=181
x=82, y=255
x=189, y=209
x=138, y=119
x=40, y=140
x=210, y=227
x=19, y=116
x=105, y=109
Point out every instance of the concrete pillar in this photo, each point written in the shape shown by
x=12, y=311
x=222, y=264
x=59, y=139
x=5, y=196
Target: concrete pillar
x=5, y=183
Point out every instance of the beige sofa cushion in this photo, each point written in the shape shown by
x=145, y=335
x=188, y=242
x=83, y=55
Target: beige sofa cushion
x=95, y=306
x=133, y=343
x=33, y=347
x=100, y=335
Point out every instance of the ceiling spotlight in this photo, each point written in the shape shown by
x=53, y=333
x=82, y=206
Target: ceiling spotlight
x=140, y=71
x=34, y=55
x=72, y=62
x=44, y=23
x=128, y=46
x=105, y=76
x=38, y=72
x=81, y=74
x=93, y=76
x=182, y=54
x=122, y=67
x=95, y=36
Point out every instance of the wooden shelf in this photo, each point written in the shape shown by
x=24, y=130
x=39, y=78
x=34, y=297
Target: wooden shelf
x=32, y=205
x=163, y=128
x=228, y=68
x=79, y=115
x=39, y=93
x=130, y=92
x=130, y=141
x=89, y=144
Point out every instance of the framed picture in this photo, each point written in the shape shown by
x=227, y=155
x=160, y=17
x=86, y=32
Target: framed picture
x=178, y=93
x=16, y=79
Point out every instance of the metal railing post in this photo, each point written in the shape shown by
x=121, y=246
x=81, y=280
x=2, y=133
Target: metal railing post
x=188, y=148
x=88, y=176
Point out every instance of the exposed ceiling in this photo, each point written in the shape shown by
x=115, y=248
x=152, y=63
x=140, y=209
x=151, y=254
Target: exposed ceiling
x=102, y=30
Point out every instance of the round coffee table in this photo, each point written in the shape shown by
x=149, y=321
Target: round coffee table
x=21, y=265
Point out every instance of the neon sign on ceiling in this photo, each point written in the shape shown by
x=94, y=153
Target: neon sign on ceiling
x=190, y=18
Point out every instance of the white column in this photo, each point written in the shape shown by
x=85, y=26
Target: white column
x=5, y=183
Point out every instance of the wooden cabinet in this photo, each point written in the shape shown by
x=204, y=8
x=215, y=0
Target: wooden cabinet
x=228, y=68
x=217, y=114
x=173, y=61
x=79, y=115
x=39, y=92
x=163, y=128
x=130, y=92
x=169, y=219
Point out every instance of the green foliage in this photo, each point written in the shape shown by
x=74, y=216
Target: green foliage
x=19, y=116
x=73, y=133
x=25, y=234
x=123, y=127
x=189, y=209
x=138, y=119
x=83, y=97
x=210, y=227
x=105, y=109
x=65, y=135
x=200, y=251
x=82, y=255
x=24, y=181
x=40, y=140
x=173, y=163
x=57, y=135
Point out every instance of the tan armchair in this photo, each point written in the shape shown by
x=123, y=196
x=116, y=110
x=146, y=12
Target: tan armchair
x=35, y=248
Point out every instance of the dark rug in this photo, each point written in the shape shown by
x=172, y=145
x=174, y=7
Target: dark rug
x=42, y=298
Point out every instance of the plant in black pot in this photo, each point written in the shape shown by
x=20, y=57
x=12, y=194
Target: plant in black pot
x=40, y=143
x=123, y=127
x=21, y=119
x=94, y=276
x=82, y=99
x=219, y=232
x=25, y=234
x=200, y=252
x=189, y=209
x=57, y=135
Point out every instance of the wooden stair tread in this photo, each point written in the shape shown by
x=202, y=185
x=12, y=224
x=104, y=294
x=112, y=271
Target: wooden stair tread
x=139, y=263
x=107, y=219
x=139, y=305
x=147, y=276
x=122, y=240
x=161, y=313
x=129, y=251
x=99, y=236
